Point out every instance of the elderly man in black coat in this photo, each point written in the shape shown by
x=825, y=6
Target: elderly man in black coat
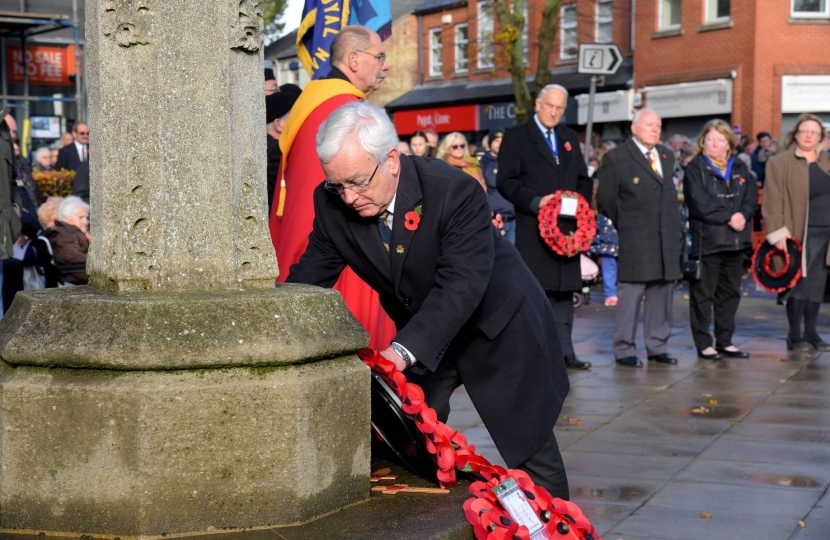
x=637, y=193
x=536, y=160
x=467, y=309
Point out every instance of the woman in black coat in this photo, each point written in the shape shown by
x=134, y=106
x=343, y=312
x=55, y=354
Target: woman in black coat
x=721, y=199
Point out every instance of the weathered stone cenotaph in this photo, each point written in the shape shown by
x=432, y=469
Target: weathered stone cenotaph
x=181, y=391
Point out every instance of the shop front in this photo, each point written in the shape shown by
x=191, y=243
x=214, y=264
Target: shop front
x=804, y=94
x=613, y=112
x=686, y=107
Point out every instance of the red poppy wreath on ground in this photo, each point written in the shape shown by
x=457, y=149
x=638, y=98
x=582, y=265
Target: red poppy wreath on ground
x=567, y=245
x=490, y=521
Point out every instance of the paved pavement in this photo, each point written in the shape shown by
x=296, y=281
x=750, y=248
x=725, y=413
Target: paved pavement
x=701, y=450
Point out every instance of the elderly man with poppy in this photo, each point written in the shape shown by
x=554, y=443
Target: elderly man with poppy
x=637, y=193
x=467, y=309
x=536, y=160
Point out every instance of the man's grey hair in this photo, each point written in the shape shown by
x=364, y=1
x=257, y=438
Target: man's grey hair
x=361, y=119
x=41, y=151
x=676, y=137
x=349, y=39
x=69, y=207
x=559, y=87
x=640, y=112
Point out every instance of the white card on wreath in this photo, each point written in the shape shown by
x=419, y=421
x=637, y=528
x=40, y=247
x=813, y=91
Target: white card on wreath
x=569, y=205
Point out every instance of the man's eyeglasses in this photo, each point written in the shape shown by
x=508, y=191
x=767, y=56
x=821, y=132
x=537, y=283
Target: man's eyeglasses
x=356, y=188
x=380, y=57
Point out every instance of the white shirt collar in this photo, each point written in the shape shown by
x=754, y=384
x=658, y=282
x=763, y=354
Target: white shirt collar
x=543, y=128
x=391, y=207
x=642, y=148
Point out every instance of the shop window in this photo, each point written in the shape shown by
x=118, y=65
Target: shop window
x=810, y=8
x=604, y=32
x=435, y=65
x=567, y=38
x=485, y=34
x=461, y=52
x=670, y=14
x=717, y=10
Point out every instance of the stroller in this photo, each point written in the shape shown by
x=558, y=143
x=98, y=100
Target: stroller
x=590, y=272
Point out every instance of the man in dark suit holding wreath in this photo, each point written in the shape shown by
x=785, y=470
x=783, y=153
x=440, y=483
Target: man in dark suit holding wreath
x=467, y=310
x=537, y=159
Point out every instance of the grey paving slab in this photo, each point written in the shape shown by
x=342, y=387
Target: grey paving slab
x=586, y=488
x=642, y=445
x=775, y=432
x=605, y=516
x=734, y=499
x=610, y=392
x=574, y=406
x=768, y=452
x=686, y=524
x=609, y=466
x=574, y=421
x=792, y=475
x=770, y=414
x=814, y=529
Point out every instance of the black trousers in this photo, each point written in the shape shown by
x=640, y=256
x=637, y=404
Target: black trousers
x=563, y=312
x=545, y=467
x=718, y=290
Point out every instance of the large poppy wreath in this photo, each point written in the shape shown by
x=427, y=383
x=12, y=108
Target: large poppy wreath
x=567, y=245
x=490, y=521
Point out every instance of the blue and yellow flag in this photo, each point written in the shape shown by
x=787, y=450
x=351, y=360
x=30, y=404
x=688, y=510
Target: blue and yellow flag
x=323, y=19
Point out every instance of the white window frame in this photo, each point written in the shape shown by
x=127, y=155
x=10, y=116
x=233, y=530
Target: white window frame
x=603, y=20
x=570, y=26
x=485, y=30
x=708, y=16
x=660, y=16
x=462, y=49
x=810, y=14
x=436, y=65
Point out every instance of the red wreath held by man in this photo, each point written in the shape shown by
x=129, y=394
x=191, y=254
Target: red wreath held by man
x=567, y=245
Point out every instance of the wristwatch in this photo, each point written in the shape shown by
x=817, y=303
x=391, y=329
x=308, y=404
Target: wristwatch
x=403, y=354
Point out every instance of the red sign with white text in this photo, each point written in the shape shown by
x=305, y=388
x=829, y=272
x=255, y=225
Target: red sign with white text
x=442, y=119
x=46, y=65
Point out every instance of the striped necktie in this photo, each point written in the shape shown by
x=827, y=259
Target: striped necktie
x=653, y=162
x=385, y=228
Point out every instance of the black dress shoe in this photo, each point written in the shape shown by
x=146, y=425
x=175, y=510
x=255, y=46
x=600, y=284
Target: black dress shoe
x=733, y=354
x=630, y=361
x=572, y=362
x=713, y=356
x=819, y=344
x=799, y=346
x=663, y=358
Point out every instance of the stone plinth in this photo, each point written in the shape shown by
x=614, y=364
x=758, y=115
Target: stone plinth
x=150, y=442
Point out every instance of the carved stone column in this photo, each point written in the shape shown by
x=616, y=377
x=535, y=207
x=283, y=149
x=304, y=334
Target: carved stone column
x=182, y=391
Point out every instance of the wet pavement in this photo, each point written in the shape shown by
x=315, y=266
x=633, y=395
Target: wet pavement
x=650, y=451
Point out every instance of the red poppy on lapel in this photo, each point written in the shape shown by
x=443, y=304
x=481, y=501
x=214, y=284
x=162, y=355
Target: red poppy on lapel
x=568, y=146
x=741, y=180
x=411, y=221
x=664, y=156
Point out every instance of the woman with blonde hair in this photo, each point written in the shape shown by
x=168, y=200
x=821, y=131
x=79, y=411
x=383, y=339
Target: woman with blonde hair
x=721, y=198
x=455, y=151
x=797, y=205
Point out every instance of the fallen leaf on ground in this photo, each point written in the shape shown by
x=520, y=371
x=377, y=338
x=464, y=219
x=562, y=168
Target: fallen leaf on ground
x=701, y=410
x=707, y=395
x=783, y=359
x=574, y=421
x=713, y=402
x=705, y=515
x=808, y=356
x=801, y=524
x=685, y=297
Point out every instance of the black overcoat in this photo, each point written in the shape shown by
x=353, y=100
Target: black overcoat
x=68, y=158
x=527, y=172
x=646, y=212
x=457, y=291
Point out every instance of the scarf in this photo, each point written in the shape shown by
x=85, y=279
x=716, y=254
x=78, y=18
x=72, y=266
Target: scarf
x=722, y=166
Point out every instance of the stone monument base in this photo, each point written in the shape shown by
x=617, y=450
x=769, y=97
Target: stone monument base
x=95, y=444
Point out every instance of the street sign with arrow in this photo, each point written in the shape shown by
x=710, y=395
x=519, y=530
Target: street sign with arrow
x=599, y=59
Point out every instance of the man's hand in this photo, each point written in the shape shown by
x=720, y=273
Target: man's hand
x=498, y=222
x=545, y=200
x=390, y=354
x=737, y=221
x=782, y=244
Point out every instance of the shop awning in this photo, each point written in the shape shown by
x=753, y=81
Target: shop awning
x=463, y=91
x=15, y=24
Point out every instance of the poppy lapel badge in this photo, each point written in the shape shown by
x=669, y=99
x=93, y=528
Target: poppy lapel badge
x=741, y=180
x=664, y=156
x=399, y=249
x=568, y=146
x=412, y=219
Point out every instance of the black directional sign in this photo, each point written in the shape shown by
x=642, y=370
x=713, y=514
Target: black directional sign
x=599, y=59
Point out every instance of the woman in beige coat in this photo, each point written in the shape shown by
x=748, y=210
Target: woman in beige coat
x=797, y=204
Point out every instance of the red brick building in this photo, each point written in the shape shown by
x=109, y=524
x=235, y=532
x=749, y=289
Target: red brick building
x=462, y=82
x=757, y=64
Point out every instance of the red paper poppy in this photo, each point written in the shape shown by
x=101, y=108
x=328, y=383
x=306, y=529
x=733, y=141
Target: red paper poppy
x=411, y=221
x=567, y=146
